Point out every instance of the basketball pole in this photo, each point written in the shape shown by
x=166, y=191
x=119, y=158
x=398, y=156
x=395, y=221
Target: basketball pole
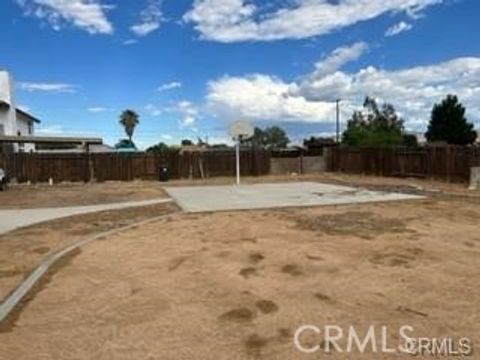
x=238, y=160
x=338, y=121
x=240, y=130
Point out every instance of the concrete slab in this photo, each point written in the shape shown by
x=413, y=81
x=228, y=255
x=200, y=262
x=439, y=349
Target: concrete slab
x=260, y=196
x=14, y=219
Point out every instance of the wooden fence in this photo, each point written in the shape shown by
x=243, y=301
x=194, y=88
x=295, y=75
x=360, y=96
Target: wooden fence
x=444, y=163
x=449, y=163
x=37, y=167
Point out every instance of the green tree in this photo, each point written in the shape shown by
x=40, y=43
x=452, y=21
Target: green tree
x=258, y=138
x=410, y=140
x=125, y=144
x=129, y=119
x=374, y=126
x=318, y=142
x=201, y=142
x=159, y=148
x=272, y=137
x=448, y=123
x=187, y=142
x=219, y=146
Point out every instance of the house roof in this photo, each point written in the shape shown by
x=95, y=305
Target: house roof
x=49, y=140
x=6, y=105
x=31, y=117
x=95, y=149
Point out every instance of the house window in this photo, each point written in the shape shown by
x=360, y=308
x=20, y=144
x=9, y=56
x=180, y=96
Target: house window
x=21, y=146
x=2, y=129
x=30, y=128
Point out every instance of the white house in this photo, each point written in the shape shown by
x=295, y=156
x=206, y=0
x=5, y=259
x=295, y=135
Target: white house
x=14, y=121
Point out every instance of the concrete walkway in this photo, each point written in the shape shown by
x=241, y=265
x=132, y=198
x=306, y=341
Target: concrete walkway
x=14, y=219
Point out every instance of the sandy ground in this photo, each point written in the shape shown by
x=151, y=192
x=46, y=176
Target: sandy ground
x=237, y=285
x=77, y=194
x=22, y=250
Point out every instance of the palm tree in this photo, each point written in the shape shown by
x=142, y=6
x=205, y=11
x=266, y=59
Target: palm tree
x=129, y=119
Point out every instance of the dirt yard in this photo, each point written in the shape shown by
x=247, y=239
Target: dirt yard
x=78, y=194
x=237, y=285
x=23, y=249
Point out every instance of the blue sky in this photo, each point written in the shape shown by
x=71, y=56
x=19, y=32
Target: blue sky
x=190, y=67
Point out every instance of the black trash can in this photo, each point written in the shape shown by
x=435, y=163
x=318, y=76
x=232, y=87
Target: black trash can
x=163, y=174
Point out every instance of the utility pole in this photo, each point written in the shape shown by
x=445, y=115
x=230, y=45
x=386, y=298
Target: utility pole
x=338, y=121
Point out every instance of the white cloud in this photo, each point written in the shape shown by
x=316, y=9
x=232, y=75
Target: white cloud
x=188, y=113
x=241, y=20
x=145, y=28
x=60, y=130
x=153, y=110
x=97, y=110
x=56, y=130
x=340, y=57
x=150, y=19
x=170, y=86
x=413, y=91
x=48, y=87
x=88, y=15
x=262, y=97
x=130, y=42
x=398, y=28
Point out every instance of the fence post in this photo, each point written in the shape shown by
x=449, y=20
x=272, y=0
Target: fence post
x=301, y=163
x=91, y=168
x=431, y=156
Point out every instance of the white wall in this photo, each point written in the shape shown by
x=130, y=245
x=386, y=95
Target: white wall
x=7, y=117
x=5, y=81
x=23, y=123
x=3, y=121
x=11, y=121
x=24, y=129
